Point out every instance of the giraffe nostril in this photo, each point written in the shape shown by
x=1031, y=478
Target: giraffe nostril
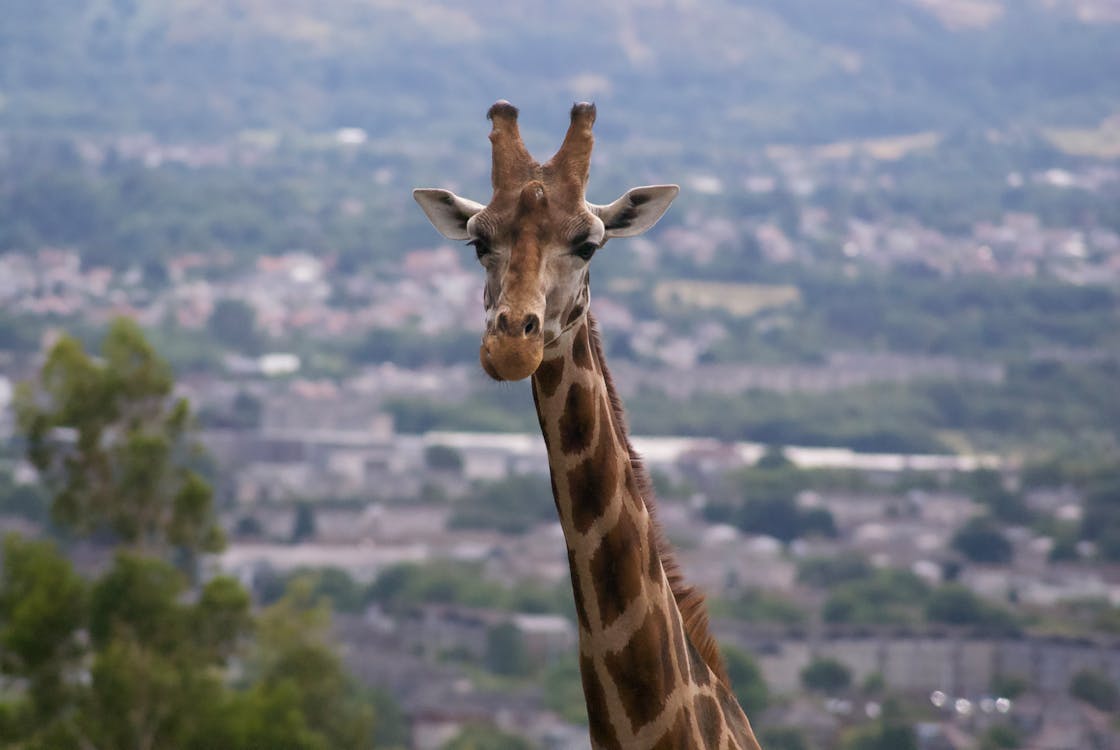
x=503, y=322
x=532, y=325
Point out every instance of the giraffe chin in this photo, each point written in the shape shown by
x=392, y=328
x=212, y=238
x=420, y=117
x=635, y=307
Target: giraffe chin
x=510, y=359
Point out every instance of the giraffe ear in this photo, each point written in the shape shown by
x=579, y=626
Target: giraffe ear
x=448, y=212
x=636, y=211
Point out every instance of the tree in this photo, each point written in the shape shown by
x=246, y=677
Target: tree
x=484, y=737
x=43, y=607
x=986, y=488
x=1001, y=737
x=443, y=458
x=1096, y=689
x=505, y=650
x=782, y=738
x=891, y=731
x=826, y=676
x=563, y=690
x=292, y=662
x=981, y=541
x=113, y=445
x=303, y=527
x=512, y=505
x=747, y=681
x=234, y=324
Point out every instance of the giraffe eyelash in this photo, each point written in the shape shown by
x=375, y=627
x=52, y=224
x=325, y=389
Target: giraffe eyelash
x=481, y=248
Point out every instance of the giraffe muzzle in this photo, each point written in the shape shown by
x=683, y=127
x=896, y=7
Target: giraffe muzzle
x=513, y=348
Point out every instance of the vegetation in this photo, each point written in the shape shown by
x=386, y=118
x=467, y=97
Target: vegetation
x=756, y=605
x=408, y=584
x=763, y=501
x=826, y=676
x=1096, y=689
x=141, y=655
x=981, y=541
x=483, y=737
x=887, y=597
x=891, y=731
x=114, y=447
x=512, y=505
x=1001, y=736
x=783, y=738
x=746, y=680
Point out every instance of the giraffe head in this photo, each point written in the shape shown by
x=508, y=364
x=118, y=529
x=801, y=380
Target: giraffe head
x=536, y=237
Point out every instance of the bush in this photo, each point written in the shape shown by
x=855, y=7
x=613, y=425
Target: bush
x=826, y=676
x=746, y=680
x=981, y=541
x=1094, y=688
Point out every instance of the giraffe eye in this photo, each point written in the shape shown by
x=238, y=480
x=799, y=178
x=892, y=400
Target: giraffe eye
x=481, y=248
x=585, y=250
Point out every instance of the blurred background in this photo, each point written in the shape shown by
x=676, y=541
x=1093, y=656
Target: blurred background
x=258, y=493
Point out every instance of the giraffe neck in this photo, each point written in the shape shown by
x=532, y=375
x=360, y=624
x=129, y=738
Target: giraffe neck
x=646, y=683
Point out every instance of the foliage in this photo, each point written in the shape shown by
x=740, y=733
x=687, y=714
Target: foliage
x=154, y=659
x=981, y=541
x=43, y=607
x=1101, y=523
x=234, y=324
x=409, y=584
x=483, y=737
x=293, y=658
x=756, y=605
x=782, y=738
x=891, y=731
x=825, y=675
x=1009, y=685
x=22, y=500
x=443, y=458
x=335, y=586
x=114, y=446
x=1001, y=737
x=303, y=526
x=765, y=503
x=826, y=572
x=888, y=597
x=140, y=655
x=1096, y=689
x=987, y=488
x=747, y=681
x=953, y=604
x=563, y=690
x=505, y=651
x=512, y=505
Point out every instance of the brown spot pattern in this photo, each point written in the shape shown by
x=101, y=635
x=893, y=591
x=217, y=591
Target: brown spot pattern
x=679, y=642
x=617, y=570
x=592, y=484
x=577, y=590
x=737, y=722
x=654, y=564
x=573, y=316
x=642, y=673
x=698, y=667
x=679, y=736
x=548, y=376
x=598, y=715
x=709, y=720
x=581, y=349
x=577, y=423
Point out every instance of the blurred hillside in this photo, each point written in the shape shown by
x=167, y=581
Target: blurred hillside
x=722, y=73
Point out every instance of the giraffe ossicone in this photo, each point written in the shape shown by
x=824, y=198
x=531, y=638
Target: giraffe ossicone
x=651, y=671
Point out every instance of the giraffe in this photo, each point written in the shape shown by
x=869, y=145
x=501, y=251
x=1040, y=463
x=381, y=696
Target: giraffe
x=651, y=672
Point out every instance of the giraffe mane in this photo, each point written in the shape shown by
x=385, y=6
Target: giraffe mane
x=690, y=601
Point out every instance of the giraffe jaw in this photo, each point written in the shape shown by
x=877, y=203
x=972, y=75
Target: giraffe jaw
x=509, y=358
